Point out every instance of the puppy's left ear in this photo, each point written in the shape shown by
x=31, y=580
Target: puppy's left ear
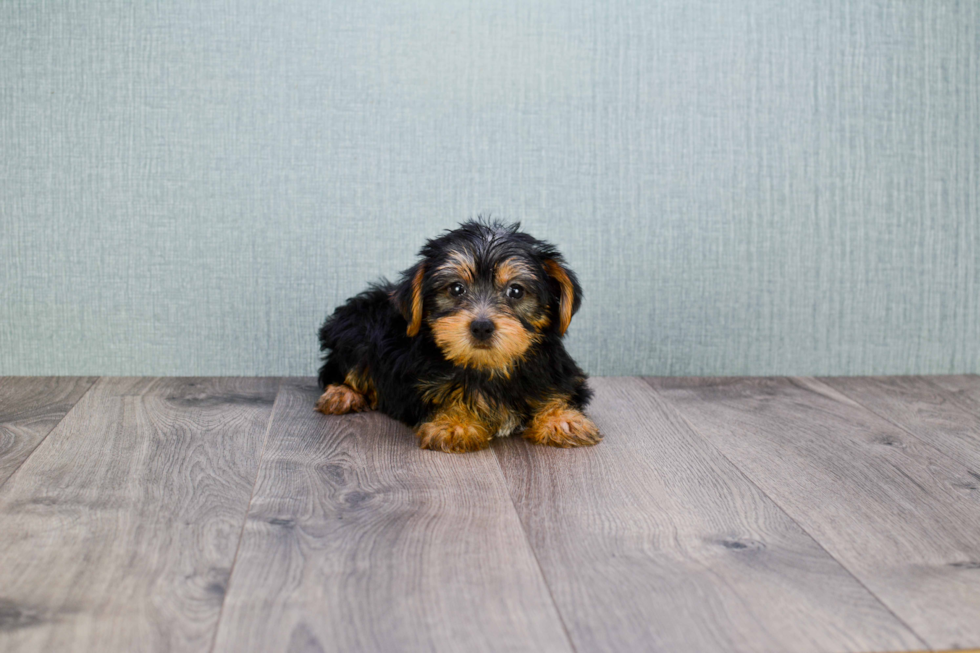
x=567, y=290
x=407, y=298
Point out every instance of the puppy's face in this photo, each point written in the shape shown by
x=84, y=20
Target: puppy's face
x=487, y=310
x=487, y=294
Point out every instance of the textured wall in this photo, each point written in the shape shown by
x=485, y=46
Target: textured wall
x=744, y=187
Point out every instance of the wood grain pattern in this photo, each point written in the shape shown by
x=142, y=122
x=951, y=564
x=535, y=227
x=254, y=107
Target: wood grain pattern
x=30, y=407
x=901, y=516
x=922, y=408
x=120, y=530
x=357, y=540
x=964, y=389
x=653, y=541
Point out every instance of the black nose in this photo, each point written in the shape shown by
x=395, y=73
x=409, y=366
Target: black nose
x=481, y=329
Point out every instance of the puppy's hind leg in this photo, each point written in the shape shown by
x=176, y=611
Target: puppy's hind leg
x=354, y=395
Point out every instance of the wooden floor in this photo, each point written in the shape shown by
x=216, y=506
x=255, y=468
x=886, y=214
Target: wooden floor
x=224, y=514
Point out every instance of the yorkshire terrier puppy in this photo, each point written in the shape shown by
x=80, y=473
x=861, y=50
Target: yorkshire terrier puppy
x=466, y=347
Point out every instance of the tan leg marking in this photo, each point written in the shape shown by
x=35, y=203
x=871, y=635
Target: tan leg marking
x=557, y=424
x=340, y=400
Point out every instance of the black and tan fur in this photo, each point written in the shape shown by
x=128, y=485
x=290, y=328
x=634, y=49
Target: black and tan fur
x=466, y=347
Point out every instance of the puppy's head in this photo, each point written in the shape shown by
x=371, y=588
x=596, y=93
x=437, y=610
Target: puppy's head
x=487, y=292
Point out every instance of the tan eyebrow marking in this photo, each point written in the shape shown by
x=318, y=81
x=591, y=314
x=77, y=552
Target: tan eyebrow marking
x=461, y=264
x=511, y=269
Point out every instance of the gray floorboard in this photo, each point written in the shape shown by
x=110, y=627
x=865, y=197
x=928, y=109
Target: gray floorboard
x=29, y=408
x=118, y=533
x=901, y=516
x=357, y=540
x=963, y=388
x=924, y=409
x=653, y=541
x=718, y=515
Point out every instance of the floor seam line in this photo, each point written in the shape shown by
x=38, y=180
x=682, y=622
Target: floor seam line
x=534, y=553
x=948, y=394
x=677, y=411
x=50, y=431
x=904, y=429
x=248, y=509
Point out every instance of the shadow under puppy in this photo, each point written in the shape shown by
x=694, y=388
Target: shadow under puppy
x=466, y=347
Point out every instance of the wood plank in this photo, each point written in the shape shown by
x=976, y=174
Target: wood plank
x=30, y=407
x=901, y=516
x=964, y=389
x=357, y=540
x=654, y=541
x=120, y=530
x=959, y=650
x=922, y=408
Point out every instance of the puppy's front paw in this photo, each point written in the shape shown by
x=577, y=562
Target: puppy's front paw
x=559, y=426
x=452, y=436
x=340, y=400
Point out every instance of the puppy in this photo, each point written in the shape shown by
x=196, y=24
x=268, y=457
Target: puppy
x=466, y=347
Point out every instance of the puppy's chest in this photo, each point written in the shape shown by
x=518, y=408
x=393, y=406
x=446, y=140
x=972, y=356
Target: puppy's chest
x=510, y=423
x=499, y=415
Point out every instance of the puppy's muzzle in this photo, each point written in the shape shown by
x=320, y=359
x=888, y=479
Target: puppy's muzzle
x=482, y=330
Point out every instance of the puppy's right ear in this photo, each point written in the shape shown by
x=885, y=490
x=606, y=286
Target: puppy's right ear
x=407, y=297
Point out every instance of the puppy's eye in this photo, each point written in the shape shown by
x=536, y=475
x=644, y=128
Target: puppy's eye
x=457, y=289
x=515, y=292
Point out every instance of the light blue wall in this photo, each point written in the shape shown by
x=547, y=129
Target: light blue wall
x=753, y=187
